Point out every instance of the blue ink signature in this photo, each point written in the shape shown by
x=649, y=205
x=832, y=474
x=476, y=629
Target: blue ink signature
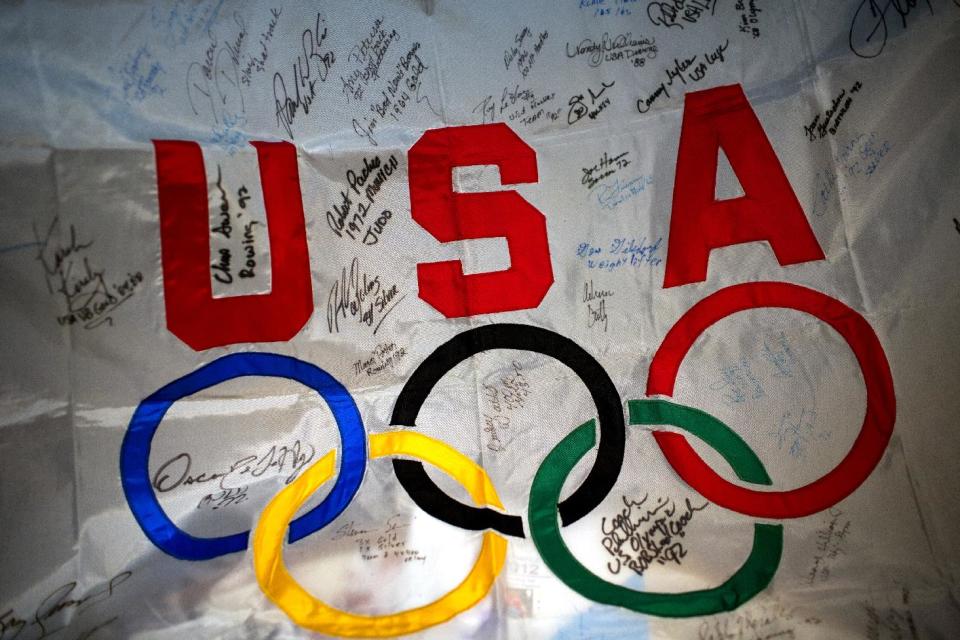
x=230, y=136
x=796, y=434
x=185, y=20
x=139, y=75
x=622, y=252
x=780, y=355
x=738, y=381
x=611, y=194
x=861, y=156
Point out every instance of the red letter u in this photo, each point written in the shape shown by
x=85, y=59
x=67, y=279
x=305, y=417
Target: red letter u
x=193, y=314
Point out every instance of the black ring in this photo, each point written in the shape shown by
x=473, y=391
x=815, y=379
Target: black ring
x=598, y=483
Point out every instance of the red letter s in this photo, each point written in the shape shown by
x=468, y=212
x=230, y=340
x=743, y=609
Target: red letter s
x=451, y=216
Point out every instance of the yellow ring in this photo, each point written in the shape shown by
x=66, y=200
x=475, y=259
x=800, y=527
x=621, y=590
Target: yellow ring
x=305, y=610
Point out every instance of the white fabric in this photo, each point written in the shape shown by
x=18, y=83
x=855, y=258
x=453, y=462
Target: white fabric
x=85, y=87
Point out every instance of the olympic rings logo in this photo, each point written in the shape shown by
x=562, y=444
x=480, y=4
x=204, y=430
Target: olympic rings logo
x=545, y=512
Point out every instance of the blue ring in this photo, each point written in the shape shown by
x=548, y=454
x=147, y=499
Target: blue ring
x=135, y=451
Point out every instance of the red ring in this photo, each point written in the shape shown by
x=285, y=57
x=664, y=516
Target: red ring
x=867, y=449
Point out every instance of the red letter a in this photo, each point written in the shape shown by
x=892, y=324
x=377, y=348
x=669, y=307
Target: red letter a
x=769, y=210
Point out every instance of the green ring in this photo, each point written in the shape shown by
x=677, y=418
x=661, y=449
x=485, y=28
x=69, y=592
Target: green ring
x=755, y=574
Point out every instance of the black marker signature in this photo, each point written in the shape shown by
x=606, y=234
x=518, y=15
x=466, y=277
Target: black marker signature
x=868, y=30
x=622, y=46
x=358, y=295
x=176, y=471
x=652, y=536
x=61, y=599
x=68, y=272
x=597, y=316
x=606, y=167
x=766, y=621
x=216, y=81
x=579, y=109
x=257, y=63
x=304, y=80
x=672, y=12
x=692, y=69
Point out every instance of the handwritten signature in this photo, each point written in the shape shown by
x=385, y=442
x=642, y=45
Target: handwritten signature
x=650, y=536
x=868, y=29
x=674, y=13
x=68, y=272
x=360, y=296
x=45, y=618
x=684, y=69
x=579, y=109
x=830, y=120
x=370, y=178
x=216, y=80
x=595, y=299
x=175, y=472
x=521, y=53
x=402, y=90
x=386, y=543
x=520, y=103
x=314, y=66
x=604, y=168
x=756, y=622
x=620, y=47
x=383, y=357
x=612, y=194
x=368, y=54
x=830, y=544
